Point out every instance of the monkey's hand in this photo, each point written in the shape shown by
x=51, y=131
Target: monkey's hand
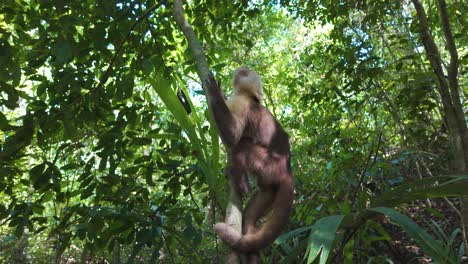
x=238, y=179
x=213, y=87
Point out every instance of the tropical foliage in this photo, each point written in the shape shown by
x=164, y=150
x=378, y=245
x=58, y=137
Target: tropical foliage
x=108, y=152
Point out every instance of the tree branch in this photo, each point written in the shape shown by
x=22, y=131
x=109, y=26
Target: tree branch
x=453, y=78
x=433, y=55
x=203, y=69
x=234, y=206
x=450, y=95
x=366, y=166
x=453, y=66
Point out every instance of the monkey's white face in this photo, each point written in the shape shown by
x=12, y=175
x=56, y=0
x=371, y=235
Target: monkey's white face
x=246, y=81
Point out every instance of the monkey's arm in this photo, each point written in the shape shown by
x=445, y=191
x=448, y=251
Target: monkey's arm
x=230, y=129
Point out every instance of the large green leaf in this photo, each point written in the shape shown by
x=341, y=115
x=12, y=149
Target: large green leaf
x=432, y=247
x=281, y=239
x=168, y=96
x=322, y=237
x=170, y=100
x=425, y=188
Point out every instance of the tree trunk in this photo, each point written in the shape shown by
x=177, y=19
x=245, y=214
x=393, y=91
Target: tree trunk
x=450, y=95
x=234, y=206
x=233, y=219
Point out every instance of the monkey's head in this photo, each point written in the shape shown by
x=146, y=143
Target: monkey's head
x=246, y=81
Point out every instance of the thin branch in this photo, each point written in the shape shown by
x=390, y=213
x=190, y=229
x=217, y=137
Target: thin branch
x=193, y=199
x=418, y=170
x=453, y=77
x=455, y=209
x=403, y=17
x=233, y=212
x=433, y=55
x=213, y=218
x=195, y=46
x=453, y=66
x=449, y=93
x=270, y=101
x=366, y=166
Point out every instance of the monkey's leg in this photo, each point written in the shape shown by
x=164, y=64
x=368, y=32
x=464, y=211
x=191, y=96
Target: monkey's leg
x=258, y=206
x=238, y=169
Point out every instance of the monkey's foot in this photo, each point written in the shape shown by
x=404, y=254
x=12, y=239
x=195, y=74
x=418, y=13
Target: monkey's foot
x=227, y=234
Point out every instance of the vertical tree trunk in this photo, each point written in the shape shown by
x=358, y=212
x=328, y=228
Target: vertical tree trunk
x=450, y=94
x=234, y=206
x=234, y=219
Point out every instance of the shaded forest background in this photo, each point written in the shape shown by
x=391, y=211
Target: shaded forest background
x=100, y=161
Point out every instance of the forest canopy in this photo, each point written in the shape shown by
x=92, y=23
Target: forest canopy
x=109, y=153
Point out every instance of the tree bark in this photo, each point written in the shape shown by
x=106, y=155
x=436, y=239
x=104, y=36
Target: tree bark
x=203, y=69
x=234, y=206
x=233, y=218
x=453, y=68
x=450, y=94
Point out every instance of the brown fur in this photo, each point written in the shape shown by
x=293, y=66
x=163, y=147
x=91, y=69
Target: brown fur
x=260, y=147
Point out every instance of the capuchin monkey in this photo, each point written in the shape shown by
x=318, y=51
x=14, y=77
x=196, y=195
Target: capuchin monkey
x=259, y=147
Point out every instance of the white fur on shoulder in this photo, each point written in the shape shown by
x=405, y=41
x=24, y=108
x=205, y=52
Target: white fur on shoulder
x=239, y=105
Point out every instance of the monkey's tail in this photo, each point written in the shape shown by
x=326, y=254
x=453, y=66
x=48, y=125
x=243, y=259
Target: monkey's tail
x=281, y=207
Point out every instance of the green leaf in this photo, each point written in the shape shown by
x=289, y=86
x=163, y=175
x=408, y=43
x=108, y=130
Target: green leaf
x=10, y=70
x=18, y=141
x=143, y=236
x=62, y=52
x=142, y=141
x=281, y=239
x=4, y=125
x=149, y=174
x=425, y=188
x=71, y=166
x=322, y=237
x=432, y=247
x=38, y=176
x=169, y=97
